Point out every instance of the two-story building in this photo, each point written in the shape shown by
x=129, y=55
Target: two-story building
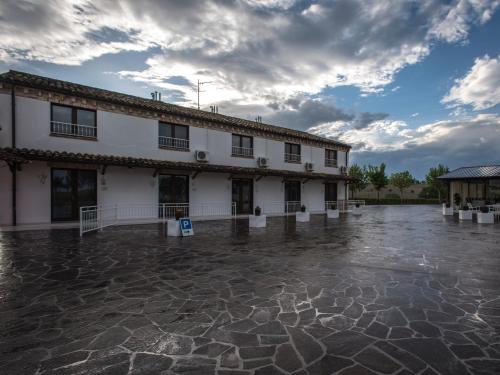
x=65, y=145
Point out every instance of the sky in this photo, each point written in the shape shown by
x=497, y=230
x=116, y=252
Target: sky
x=409, y=83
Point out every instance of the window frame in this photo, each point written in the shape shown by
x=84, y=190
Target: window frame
x=328, y=159
x=173, y=126
x=290, y=146
x=74, y=121
x=160, y=123
x=241, y=137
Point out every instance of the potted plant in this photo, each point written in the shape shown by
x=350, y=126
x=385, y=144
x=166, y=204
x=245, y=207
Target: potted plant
x=332, y=212
x=303, y=215
x=257, y=220
x=465, y=213
x=457, y=199
x=447, y=209
x=484, y=216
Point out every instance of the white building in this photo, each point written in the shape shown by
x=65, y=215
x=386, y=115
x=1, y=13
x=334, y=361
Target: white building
x=64, y=145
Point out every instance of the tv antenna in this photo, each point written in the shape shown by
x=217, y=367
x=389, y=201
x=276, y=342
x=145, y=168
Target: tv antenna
x=199, y=86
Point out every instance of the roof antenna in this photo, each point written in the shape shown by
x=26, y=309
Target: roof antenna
x=199, y=85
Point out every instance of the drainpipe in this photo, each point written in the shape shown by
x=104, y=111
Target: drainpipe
x=14, y=168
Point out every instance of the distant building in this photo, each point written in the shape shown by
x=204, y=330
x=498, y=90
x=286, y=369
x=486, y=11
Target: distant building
x=478, y=185
x=390, y=192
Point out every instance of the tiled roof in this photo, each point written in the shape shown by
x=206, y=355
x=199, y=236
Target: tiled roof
x=69, y=88
x=21, y=155
x=485, y=171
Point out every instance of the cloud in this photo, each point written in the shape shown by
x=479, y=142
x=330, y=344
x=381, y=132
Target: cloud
x=366, y=118
x=254, y=52
x=458, y=142
x=415, y=114
x=480, y=87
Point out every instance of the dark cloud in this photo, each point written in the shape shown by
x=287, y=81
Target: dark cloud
x=364, y=119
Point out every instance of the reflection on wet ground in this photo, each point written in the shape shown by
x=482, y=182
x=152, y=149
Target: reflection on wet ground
x=399, y=290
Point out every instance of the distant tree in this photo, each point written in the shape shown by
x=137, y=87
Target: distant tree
x=376, y=176
x=360, y=179
x=432, y=180
x=401, y=180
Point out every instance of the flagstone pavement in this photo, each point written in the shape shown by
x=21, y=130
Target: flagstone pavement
x=398, y=290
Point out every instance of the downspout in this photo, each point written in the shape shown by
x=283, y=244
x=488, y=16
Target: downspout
x=14, y=169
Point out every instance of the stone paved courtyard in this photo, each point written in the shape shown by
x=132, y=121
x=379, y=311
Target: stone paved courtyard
x=399, y=290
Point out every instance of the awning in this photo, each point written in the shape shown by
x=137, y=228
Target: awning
x=19, y=156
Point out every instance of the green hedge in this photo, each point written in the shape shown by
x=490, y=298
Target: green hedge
x=398, y=201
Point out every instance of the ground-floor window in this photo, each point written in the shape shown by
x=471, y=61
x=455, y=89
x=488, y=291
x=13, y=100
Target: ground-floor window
x=330, y=191
x=242, y=195
x=173, y=188
x=70, y=190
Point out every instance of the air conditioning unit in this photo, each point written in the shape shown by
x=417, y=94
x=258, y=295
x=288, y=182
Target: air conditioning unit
x=343, y=170
x=201, y=156
x=309, y=167
x=263, y=162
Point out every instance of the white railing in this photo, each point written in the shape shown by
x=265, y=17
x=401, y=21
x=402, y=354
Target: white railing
x=347, y=205
x=94, y=218
x=331, y=163
x=292, y=158
x=63, y=128
x=273, y=208
x=242, y=151
x=331, y=205
x=179, y=143
x=292, y=206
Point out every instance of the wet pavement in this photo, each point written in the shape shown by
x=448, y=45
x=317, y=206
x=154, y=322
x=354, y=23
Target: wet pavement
x=399, y=290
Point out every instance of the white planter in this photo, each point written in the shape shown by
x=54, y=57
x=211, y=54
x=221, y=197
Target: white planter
x=447, y=211
x=332, y=214
x=485, y=218
x=357, y=210
x=464, y=215
x=302, y=216
x=173, y=228
x=257, y=221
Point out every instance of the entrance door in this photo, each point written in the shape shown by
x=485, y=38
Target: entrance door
x=174, y=189
x=330, y=191
x=243, y=195
x=70, y=190
x=292, y=196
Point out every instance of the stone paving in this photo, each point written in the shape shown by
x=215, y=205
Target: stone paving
x=399, y=290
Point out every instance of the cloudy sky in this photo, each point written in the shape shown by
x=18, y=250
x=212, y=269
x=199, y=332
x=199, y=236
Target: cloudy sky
x=410, y=83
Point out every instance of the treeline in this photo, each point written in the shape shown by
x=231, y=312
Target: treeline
x=376, y=176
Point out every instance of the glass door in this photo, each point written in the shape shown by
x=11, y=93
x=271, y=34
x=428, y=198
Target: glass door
x=292, y=196
x=243, y=195
x=174, y=190
x=330, y=191
x=70, y=190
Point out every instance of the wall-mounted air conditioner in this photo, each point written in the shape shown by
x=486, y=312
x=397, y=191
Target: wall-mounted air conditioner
x=201, y=156
x=309, y=167
x=263, y=162
x=343, y=170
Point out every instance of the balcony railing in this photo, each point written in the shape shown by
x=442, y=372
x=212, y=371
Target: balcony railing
x=177, y=143
x=292, y=158
x=242, y=151
x=75, y=130
x=331, y=163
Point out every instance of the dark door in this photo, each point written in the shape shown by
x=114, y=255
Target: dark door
x=292, y=194
x=243, y=196
x=330, y=191
x=174, y=189
x=70, y=190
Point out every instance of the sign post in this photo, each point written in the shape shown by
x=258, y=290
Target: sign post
x=186, y=226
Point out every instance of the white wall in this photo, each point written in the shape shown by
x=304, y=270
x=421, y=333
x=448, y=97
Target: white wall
x=124, y=135
x=5, y=194
x=5, y=121
x=33, y=194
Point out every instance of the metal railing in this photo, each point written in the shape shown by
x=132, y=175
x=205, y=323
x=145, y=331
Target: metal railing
x=331, y=163
x=292, y=158
x=348, y=205
x=292, y=206
x=76, y=130
x=178, y=143
x=242, y=151
x=94, y=218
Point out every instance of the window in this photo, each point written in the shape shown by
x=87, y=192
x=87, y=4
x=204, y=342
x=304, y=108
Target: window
x=72, y=121
x=292, y=153
x=330, y=158
x=173, y=136
x=242, y=146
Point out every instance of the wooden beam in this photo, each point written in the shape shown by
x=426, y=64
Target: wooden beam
x=260, y=178
x=306, y=181
x=155, y=173
x=103, y=169
x=195, y=174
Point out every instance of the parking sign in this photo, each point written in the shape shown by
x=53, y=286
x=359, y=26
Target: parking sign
x=186, y=226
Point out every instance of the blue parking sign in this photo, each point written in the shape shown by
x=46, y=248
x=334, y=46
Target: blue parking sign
x=186, y=226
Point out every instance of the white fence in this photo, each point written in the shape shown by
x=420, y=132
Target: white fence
x=94, y=218
x=344, y=205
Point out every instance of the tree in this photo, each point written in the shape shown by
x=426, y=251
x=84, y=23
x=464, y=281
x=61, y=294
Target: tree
x=432, y=180
x=360, y=180
x=401, y=180
x=376, y=176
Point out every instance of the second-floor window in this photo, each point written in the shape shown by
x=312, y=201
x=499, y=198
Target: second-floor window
x=72, y=121
x=173, y=136
x=292, y=153
x=331, y=158
x=242, y=146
